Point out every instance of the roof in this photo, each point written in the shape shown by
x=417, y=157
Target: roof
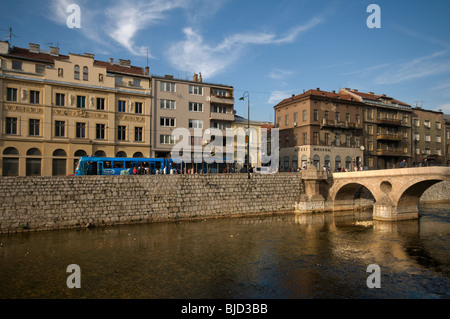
x=318, y=93
x=44, y=56
x=377, y=97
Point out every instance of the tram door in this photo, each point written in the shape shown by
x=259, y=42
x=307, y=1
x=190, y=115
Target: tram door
x=100, y=168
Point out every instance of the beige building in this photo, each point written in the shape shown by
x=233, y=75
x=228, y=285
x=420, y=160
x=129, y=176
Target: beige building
x=195, y=105
x=56, y=108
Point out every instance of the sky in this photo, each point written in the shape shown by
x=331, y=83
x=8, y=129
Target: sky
x=270, y=49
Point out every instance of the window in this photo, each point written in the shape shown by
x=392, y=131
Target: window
x=60, y=99
x=337, y=117
x=370, y=114
x=438, y=139
x=195, y=124
x=278, y=121
x=427, y=138
x=357, y=141
x=121, y=133
x=287, y=140
x=166, y=139
x=40, y=69
x=315, y=138
x=347, y=140
x=286, y=120
x=195, y=107
x=221, y=125
x=196, y=90
x=17, y=65
x=416, y=122
x=100, y=103
x=33, y=127
x=76, y=72
x=219, y=92
x=337, y=140
x=286, y=163
x=80, y=130
x=305, y=138
x=136, y=82
x=166, y=121
x=119, y=80
x=219, y=109
x=327, y=139
x=167, y=87
x=427, y=123
x=370, y=146
x=60, y=128
x=304, y=115
x=438, y=152
x=81, y=102
x=11, y=94
x=295, y=117
x=438, y=125
x=60, y=72
x=138, y=134
x=138, y=107
x=347, y=117
x=100, y=131
x=34, y=97
x=357, y=118
x=416, y=137
x=316, y=115
x=167, y=104
x=326, y=115
x=122, y=106
x=370, y=129
x=85, y=73
x=427, y=151
x=337, y=162
x=11, y=126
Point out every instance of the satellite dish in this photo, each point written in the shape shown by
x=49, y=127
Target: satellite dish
x=362, y=148
x=208, y=98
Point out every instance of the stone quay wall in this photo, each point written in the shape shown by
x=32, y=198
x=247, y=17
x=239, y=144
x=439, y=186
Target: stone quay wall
x=439, y=192
x=44, y=203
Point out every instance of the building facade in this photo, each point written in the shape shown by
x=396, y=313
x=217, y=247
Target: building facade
x=429, y=140
x=387, y=130
x=320, y=127
x=56, y=108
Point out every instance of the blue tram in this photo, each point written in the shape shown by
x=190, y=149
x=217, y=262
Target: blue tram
x=122, y=166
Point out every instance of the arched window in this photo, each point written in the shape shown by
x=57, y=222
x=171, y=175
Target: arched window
x=304, y=160
x=80, y=153
x=100, y=154
x=10, y=164
x=337, y=162
x=286, y=163
x=76, y=72
x=59, y=164
x=33, y=165
x=327, y=161
x=121, y=154
x=10, y=151
x=85, y=73
x=33, y=152
x=316, y=161
x=294, y=162
x=348, y=163
x=138, y=155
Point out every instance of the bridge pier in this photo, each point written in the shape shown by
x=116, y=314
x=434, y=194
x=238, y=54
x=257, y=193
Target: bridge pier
x=312, y=200
x=390, y=212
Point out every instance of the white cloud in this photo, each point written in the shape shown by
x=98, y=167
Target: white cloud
x=278, y=96
x=279, y=74
x=418, y=68
x=194, y=55
x=445, y=108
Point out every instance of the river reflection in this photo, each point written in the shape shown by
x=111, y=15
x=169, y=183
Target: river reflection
x=283, y=256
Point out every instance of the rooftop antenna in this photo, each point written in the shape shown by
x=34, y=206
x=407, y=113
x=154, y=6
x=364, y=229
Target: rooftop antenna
x=10, y=35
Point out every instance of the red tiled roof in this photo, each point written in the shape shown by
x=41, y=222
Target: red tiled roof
x=377, y=97
x=118, y=68
x=319, y=93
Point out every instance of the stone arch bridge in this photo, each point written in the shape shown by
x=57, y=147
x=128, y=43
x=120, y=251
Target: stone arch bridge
x=393, y=193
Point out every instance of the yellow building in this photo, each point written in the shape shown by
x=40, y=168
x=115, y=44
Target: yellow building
x=55, y=108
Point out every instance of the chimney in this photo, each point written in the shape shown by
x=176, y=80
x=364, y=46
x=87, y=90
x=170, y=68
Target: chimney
x=90, y=55
x=34, y=47
x=111, y=61
x=54, y=51
x=318, y=89
x=147, y=70
x=195, y=77
x=4, y=47
x=355, y=90
x=200, y=78
x=126, y=63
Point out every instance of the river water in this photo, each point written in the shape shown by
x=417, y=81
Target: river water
x=279, y=256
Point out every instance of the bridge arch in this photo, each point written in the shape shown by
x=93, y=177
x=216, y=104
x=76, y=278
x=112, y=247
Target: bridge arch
x=353, y=195
x=409, y=196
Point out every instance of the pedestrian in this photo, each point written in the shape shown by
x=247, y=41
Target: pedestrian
x=134, y=170
x=403, y=164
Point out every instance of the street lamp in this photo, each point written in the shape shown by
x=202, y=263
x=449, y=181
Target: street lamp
x=248, y=130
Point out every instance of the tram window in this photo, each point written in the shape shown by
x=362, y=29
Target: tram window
x=128, y=164
x=117, y=164
x=107, y=164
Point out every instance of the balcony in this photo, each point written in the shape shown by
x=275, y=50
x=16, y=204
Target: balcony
x=340, y=125
x=389, y=137
x=222, y=116
x=381, y=152
x=389, y=122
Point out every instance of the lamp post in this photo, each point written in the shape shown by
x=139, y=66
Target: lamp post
x=248, y=130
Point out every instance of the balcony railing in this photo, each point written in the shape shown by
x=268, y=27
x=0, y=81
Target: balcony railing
x=381, y=152
x=340, y=125
x=393, y=122
x=389, y=137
